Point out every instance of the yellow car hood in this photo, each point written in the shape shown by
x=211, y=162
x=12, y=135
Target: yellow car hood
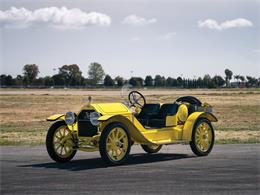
x=111, y=108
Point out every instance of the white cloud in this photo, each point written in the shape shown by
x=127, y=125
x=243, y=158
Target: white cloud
x=167, y=36
x=138, y=21
x=236, y=23
x=62, y=18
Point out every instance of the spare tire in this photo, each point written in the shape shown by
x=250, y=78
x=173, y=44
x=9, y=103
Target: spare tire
x=190, y=99
x=194, y=102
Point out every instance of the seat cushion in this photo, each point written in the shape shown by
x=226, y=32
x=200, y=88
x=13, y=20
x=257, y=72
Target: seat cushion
x=159, y=120
x=167, y=110
x=148, y=111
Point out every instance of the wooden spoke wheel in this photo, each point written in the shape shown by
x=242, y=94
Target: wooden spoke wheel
x=115, y=144
x=59, y=142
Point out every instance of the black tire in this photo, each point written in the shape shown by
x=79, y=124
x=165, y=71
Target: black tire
x=190, y=99
x=102, y=144
x=151, y=150
x=193, y=145
x=50, y=147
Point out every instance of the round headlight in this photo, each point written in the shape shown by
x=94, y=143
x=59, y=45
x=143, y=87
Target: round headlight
x=93, y=117
x=70, y=118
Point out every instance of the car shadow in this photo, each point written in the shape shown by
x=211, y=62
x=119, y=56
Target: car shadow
x=96, y=163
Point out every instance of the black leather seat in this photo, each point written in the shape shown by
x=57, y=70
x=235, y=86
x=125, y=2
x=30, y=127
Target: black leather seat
x=160, y=119
x=148, y=111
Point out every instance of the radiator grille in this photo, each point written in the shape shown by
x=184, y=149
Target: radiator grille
x=85, y=127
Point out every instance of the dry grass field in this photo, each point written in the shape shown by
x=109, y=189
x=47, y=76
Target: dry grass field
x=23, y=111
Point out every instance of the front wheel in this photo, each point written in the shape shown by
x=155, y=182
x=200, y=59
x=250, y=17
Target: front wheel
x=59, y=142
x=202, y=138
x=151, y=148
x=114, y=144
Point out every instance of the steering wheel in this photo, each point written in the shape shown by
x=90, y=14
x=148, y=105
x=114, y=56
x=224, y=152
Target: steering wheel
x=136, y=99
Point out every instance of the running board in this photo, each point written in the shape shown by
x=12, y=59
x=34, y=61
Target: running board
x=169, y=142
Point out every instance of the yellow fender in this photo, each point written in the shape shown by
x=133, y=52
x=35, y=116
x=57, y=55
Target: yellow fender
x=55, y=117
x=192, y=119
x=135, y=134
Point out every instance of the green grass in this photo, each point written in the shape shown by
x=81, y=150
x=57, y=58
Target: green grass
x=5, y=142
x=23, y=133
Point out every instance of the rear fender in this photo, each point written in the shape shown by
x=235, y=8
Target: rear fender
x=135, y=133
x=192, y=119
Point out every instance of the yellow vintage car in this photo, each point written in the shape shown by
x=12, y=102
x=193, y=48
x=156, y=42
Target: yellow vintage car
x=112, y=128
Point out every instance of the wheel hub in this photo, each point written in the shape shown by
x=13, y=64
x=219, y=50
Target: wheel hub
x=118, y=144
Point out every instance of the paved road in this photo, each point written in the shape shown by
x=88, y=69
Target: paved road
x=175, y=170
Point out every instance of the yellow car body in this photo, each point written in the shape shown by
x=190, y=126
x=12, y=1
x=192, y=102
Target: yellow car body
x=178, y=127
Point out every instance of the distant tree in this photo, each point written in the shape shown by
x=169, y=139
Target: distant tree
x=148, y=81
x=218, y=81
x=58, y=80
x=185, y=83
x=86, y=82
x=163, y=81
x=30, y=72
x=195, y=83
x=251, y=81
x=6, y=80
x=169, y=82
x=237, y=77
x=207, y=81
x=199, y=83
x=228, y=77
x=242, y=79
x=179, y=82
x=174, y=82
x=136, y=81
x=39, y=82
x=190, y=83
x=96, y=73
x=71, y=74
x=48, y=81
x=19, y=80
x=159, y=81
x=108, y=81
x=120, y=81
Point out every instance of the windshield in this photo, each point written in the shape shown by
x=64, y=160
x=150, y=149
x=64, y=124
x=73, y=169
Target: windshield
x=125, y=90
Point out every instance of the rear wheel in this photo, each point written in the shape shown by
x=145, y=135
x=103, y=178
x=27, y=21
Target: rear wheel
x=59, y=142
x=202, y=138
x=115, y=144
x=151, y=148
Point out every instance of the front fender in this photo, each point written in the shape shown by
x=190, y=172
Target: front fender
x=55, y=117
x=192, y=119
x=135, y=133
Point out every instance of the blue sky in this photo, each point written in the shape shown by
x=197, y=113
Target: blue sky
x=145, y=37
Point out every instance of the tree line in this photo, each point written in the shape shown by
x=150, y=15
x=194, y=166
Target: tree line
x=71, y=76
